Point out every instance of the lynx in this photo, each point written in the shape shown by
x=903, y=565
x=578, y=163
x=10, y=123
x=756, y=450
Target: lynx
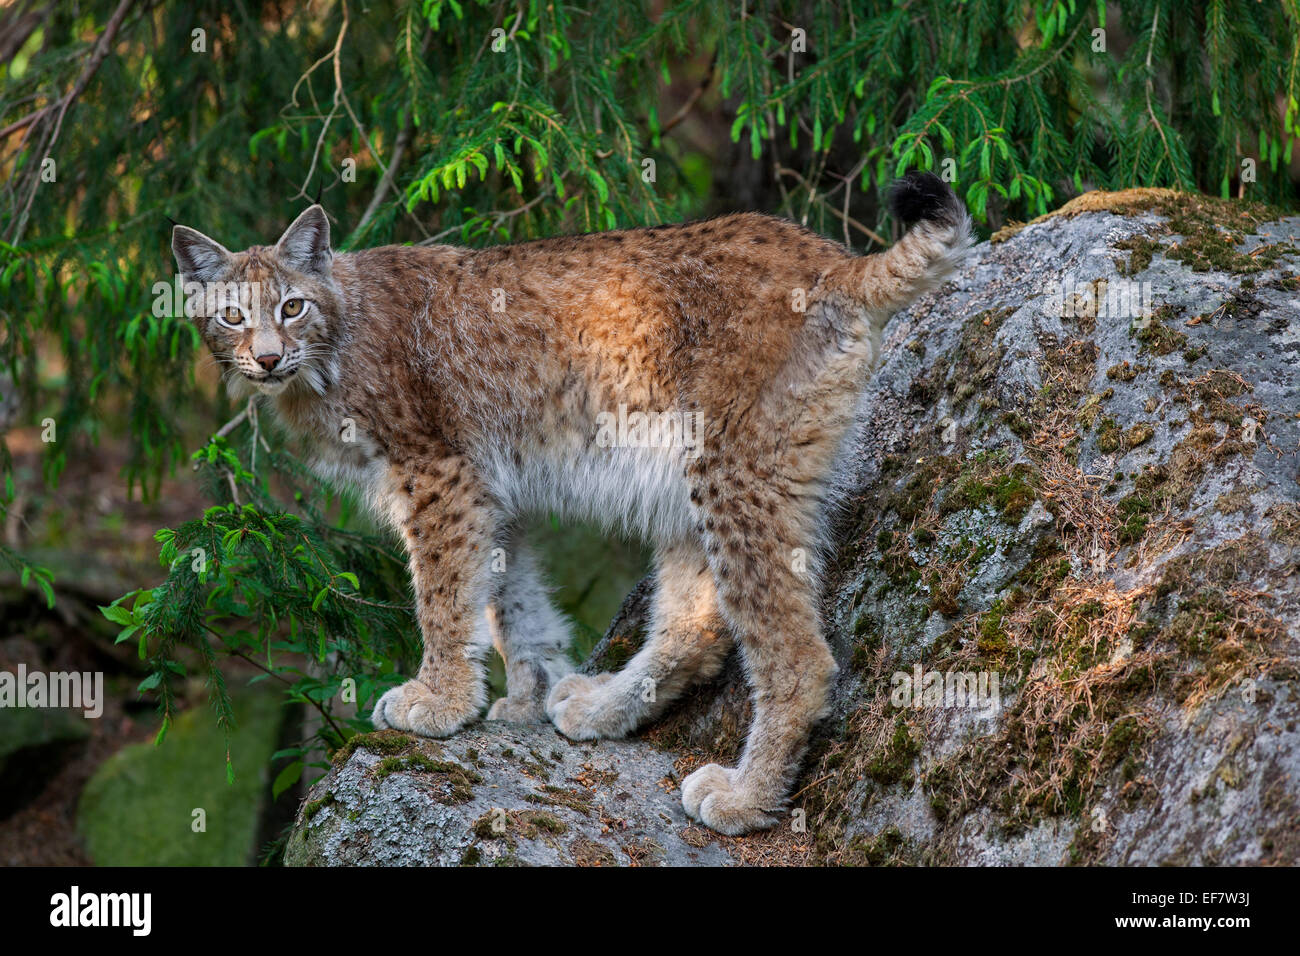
x=465, y=390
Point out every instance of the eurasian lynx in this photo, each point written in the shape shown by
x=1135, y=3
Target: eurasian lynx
x=464, y=389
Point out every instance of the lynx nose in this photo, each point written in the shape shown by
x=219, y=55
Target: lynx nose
x=268, y=361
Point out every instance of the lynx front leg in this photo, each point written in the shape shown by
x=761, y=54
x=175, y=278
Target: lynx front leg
x=448, y=527
x=687, y=642
x=529, y=633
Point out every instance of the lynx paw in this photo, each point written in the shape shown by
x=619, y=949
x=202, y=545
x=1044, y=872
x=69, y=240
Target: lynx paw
x=413, y=707
x=518, y=710
x=585, y=708
x=527, y=684
x=710, y=796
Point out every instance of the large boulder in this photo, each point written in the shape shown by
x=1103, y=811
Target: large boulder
x=498, y=795
x=1063, y=596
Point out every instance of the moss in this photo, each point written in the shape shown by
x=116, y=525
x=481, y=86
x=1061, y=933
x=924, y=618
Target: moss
x=1235, y=501
x=1206, y=248
x=978, y=359
x=926, y=389
x=1218, y=384
x=135, y=809
x=925, y=474
x=459, y=780
x=1155, y=335
x=313, y=807
x=1087, y=415
x=1066, y=373
x=1133, y=513
x=577, y=800
x=471, y=856
x=1011, y=493
x=528, y=824
x=883, y=849
x=893, y=764
x=1126, y=735
x=1123, y=372
x=1201, y=624
x=542, y=822
x=1141, y=249
x=865, y=631
x=618, y=650
x=1109, y=436
x=944, y=592
x=587, y=852
x=1240, y=560
x=1286, y=523
x=379, y=742
x=1078, y=646
x=991, y=637
x=1044, y=573
x=1019, y=425
x=1210, y=229
x=1172, y=483
x=1138, y=434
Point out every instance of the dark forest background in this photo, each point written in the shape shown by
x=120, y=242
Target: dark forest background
x=466, y=122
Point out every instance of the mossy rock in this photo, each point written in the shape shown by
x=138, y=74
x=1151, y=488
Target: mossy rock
x=138, y=808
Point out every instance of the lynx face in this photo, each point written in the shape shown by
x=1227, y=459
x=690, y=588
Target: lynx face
x=267, y=314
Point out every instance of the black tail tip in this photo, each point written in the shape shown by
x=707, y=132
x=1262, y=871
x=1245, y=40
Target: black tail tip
x=923, y=196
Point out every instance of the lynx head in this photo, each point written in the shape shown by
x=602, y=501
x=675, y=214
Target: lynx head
x=269, y=314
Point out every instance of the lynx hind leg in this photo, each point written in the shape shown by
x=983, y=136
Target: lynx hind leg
x=687, y=642
x=531, y=636
x=754, y=538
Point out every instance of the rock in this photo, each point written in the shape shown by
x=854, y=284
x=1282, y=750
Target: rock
x=35, y=744
x=498, y=795
x=174, y=805
x=1063, y=593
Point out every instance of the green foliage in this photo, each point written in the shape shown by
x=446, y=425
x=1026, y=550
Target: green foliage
x=281, y=590
x=479, y=122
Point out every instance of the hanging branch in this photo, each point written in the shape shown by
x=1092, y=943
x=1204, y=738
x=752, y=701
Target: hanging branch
x=60, y=110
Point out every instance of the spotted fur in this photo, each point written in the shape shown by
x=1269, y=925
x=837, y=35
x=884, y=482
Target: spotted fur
x=464, y=389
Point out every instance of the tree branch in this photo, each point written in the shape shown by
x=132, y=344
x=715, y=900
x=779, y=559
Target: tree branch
x=97, y=57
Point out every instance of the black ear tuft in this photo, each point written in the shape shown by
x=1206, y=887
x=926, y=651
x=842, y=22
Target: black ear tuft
x=923, y=196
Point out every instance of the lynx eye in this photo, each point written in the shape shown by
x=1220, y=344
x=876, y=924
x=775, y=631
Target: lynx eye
x=231, y=315
x=292, y=308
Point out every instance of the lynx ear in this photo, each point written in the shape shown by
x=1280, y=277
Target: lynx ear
x=200, y=258
x=305, y=245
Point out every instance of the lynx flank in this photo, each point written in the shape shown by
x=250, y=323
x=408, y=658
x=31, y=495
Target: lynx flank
x=465, y=389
